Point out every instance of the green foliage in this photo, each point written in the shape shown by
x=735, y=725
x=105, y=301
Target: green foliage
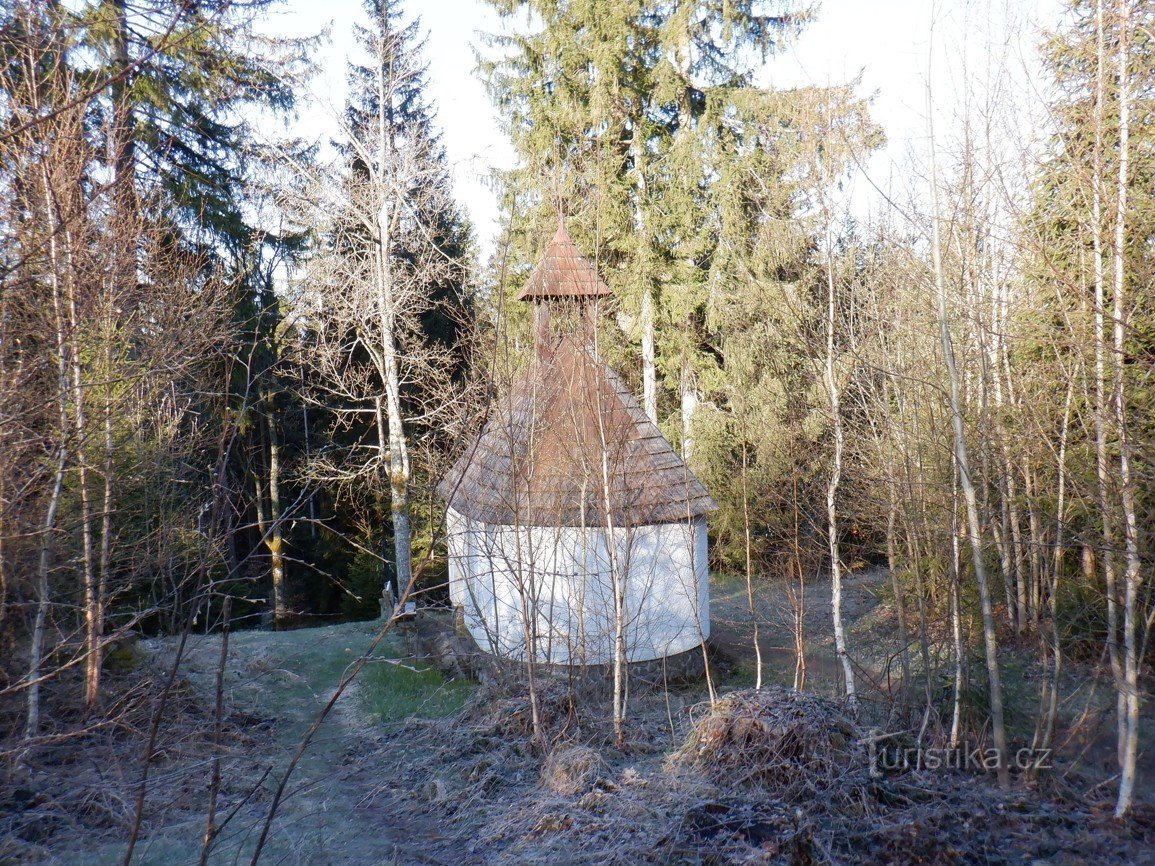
x=363, y=584
x=182, y=106
x=693, y=186
x=1080, y=615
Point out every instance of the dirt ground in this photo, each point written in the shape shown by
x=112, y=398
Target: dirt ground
x=410, y=768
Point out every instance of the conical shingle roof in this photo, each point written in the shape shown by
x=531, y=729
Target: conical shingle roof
x=539, y=458
x=563, y=272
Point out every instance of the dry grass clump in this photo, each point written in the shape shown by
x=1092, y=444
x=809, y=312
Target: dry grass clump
x=511, y=715
x=570, y=770
x=762, y=777
x=774, y=737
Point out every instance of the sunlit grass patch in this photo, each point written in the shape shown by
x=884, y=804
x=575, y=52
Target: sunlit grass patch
x=396, y=689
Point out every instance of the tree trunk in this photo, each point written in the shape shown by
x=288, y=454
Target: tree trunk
x=896, y=584
x=1034, y=545
x=750, y=564
x=1051, y=709
x=275, y=540
x=1132, y=575
x=649, y=357
x=689, y=406
x=92, y=601
x=36, y=646
x=121, y=281
x=800, y=599
x=398, y=450
x=956, y=616
x=992, y=390
x=998, y=725
x=269, y=522
x=618, y=588
x=1102, y=473
x=1016, y=544
x=832, y=485
x=105, y=557
x=649, y=362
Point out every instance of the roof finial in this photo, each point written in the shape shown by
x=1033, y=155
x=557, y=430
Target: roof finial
x=559, y=197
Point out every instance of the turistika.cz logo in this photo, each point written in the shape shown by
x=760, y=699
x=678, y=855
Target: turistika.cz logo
x=963, y=757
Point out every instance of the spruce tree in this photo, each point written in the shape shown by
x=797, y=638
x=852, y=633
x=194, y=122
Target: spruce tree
x=694, y=187
x=175, y=88
x=186, y=76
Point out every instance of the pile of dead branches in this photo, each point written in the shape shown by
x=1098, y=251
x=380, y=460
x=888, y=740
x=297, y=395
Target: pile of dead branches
x=787, y=741
x=510, y=715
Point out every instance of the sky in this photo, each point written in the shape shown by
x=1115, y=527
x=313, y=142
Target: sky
x=882, y=43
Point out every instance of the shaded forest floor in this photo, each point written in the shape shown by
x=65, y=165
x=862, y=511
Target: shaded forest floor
x=1084, y=754
x=411, y=768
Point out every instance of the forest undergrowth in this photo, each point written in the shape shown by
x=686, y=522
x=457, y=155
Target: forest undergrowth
x=412, y=768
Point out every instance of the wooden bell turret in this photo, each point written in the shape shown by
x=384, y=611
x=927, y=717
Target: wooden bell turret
x=564, y=282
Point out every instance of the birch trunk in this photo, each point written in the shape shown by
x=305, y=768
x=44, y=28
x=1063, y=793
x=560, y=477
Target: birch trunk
x=896, y=585
x=689, y=396
x=998, y=726
x=649, y=356
x=750, y=564
x=689, y=406
x=618, y=588
x=398, y=447
x=1132, y=574
x=955, y=616
x=832, y=486
x=1051, y=710
x=1102, y=472
x=36, y=646
x=92, y=606
x=121, y=281
x=649, y=359
x=800, y=599
x=105, y=557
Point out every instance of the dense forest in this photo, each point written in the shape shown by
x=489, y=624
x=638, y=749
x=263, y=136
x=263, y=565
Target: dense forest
x=235, y=367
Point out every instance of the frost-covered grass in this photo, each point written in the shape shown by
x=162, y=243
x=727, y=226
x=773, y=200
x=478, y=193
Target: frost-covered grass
x=280, y=681
x=291, y=671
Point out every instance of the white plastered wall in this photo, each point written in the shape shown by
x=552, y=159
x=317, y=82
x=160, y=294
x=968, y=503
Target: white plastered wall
x=559, y=580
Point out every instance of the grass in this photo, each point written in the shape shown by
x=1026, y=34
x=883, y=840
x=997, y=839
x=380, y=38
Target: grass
x=727, y=581
x=392, y=690
x=306, y=664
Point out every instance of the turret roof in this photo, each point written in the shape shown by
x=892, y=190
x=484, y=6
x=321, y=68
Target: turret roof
x=563, y=272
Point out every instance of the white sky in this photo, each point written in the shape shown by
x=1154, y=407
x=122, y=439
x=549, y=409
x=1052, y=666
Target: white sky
x=886, y=41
